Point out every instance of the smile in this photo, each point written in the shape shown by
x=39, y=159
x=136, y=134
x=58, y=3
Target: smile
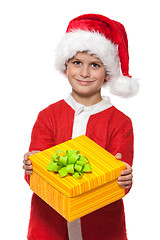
x=85, y=82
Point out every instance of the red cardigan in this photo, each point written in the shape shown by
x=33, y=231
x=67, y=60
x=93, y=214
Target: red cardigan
x=112, y=130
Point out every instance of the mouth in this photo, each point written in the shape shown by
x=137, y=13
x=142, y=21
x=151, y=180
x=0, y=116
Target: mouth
x=85, y=83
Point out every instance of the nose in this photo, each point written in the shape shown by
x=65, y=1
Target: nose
x=85, y=71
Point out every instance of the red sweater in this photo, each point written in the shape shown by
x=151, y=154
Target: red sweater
x=112, y=130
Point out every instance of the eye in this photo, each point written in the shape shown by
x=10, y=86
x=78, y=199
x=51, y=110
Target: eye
x=76, y=63
x=95, y=65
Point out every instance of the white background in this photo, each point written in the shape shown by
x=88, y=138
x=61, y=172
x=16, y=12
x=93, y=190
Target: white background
x=29, y=32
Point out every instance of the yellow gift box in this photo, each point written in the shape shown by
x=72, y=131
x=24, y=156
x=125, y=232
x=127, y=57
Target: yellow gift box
x=74, y=198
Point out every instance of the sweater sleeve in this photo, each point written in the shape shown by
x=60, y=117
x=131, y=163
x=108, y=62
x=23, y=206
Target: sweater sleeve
x=42, y=134
x=121, y=141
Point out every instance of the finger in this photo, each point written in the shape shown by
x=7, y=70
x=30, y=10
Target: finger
x=27, y=162
x=125, y=184
x=33, y=152
x=128, y=170
x=26, y=155
x=28, y=172
x=27, y=167
x=118, y=156
x=126, y=177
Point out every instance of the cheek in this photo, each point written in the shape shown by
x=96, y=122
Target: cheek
x=100, y=76
x=71, y=72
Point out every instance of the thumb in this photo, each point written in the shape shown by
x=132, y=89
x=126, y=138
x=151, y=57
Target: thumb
x=118, y=156
x=26, y=155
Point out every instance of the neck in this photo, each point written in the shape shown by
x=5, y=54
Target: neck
x=87, y=100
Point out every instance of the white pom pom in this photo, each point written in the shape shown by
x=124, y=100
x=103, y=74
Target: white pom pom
x=123, y=86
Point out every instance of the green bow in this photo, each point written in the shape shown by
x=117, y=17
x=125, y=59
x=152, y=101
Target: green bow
x=70, y=163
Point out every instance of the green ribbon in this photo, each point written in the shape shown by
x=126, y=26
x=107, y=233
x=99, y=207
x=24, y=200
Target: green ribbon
x=72, y=162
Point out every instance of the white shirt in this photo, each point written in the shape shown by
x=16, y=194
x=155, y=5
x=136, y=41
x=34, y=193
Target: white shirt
x=82, y=113
x=81, y=117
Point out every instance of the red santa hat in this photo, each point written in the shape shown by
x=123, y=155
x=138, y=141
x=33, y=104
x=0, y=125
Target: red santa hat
x=107, y=40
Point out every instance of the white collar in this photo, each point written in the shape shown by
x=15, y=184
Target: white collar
x=93, y=109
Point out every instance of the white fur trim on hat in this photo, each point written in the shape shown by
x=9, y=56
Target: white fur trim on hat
x=94, y=43
x=97, y=44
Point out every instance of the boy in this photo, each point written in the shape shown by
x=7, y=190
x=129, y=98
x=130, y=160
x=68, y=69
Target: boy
x=93, y=53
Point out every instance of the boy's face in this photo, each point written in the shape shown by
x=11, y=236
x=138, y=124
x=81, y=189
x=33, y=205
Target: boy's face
x=86, y=74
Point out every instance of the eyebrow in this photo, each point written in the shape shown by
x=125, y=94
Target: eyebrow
x=74, y=58
x=97, y=61
x=94, y=61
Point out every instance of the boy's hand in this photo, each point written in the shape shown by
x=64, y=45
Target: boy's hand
x=125, y=180
x=27, y=165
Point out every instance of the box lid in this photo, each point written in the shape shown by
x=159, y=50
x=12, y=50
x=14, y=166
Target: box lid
x=105, y=167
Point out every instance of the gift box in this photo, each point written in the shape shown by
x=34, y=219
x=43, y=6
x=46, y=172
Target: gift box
x=74, y=198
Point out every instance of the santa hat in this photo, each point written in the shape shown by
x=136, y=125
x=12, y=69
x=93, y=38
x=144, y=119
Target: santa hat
x=107, y=40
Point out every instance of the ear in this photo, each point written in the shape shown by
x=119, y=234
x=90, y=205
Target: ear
x=65, y=71
x=106, y=78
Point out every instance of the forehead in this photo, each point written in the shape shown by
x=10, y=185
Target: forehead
x=86, y=56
